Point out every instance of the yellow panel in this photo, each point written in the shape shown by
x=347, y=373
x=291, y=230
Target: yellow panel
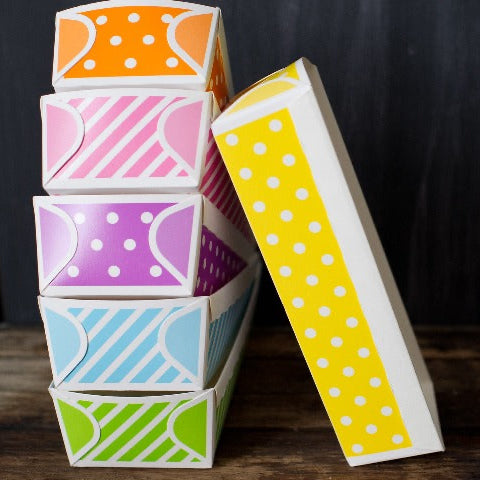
x=274, y=181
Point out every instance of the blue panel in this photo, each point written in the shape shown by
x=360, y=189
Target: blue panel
x=169, y=376
x=75, y=311
x=149, y=369
x=64, y=339
x=93, y=318
x=183, y=339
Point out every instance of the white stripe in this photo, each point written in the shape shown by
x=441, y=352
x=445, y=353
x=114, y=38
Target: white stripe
x=84, y=104
x=153, y=446
x=158, y=373
x=210, y=180
x=212, y=159
x=174, y=171
x=113, y=413
x=98, y=450
x=147, y=429
x=217, y=185
x=135, y=157
x=154, y=165
x=73, y=166
x=106, y=346
x=144, y=362
x=220, y=195
x=105, y=108
x=132, y=346
x=84, y=314
x=128, y=137
x=169, y=454
x=100, y=324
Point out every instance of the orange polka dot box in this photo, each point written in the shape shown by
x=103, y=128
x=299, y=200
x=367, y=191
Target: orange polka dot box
x=287, y=160
x=147, y=43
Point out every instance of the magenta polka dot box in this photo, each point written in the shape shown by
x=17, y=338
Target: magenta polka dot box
x=148, y=271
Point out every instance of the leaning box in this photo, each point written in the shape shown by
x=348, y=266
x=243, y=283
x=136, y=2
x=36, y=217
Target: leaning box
x=150, y=345
x=135, y=430
x=135, y=246
x=287, y=160
x=143, y=43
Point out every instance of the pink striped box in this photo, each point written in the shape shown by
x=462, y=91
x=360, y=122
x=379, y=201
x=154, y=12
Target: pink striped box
x=135, y=141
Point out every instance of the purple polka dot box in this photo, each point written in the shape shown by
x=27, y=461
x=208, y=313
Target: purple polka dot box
x=135, y=246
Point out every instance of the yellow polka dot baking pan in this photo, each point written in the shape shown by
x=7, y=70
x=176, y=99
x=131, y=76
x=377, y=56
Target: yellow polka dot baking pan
x=291, y=170
x=141, y=43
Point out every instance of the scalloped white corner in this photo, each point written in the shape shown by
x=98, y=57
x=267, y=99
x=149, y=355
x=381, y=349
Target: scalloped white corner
x=45, y=102
x=57, y=75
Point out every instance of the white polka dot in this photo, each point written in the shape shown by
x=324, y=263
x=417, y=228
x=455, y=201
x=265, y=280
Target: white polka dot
x=116, y=40
x=89, y=64
x=231, y=139
x=275, y=125
x=172, y=62
x=129, y=244
x=148, y=39
x=322, y=362
x=302, y=193
x=167, y=18
x=327, y=259
x=339, y=291
x=334, y=392
x=146, y=217
x=272, y=239
x=113, y=271
x=79, y=218
x=314, y=227
x=259, y=207
x=357, y=448
x=371, y=429
x=397, y=439
x=96, y=244
x=285, y=271
x=73, y=271
x=336, y=342
x=386, y=411
x=130, y=62
x=273, y=182
x=346, y=421
x=101, y=20
x=352, y=322
x=286, y=215
x=360, y=400
x=348, y=371
x=260, y=148
x=112, y=218
x=364, y=352
x=299, y=248
x=246, y=173
x=133, y=17
x=310, y=333
x=298, y=302
x=375, y=382
x=312, y=280
x=324, y=311
x=288, y=160
x=156, y=270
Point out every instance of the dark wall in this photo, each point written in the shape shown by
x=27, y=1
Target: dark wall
x=404, y=81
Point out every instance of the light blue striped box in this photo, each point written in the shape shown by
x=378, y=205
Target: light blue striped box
x=144, y=345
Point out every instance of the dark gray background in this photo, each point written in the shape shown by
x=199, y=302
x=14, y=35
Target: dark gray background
x=403, y=80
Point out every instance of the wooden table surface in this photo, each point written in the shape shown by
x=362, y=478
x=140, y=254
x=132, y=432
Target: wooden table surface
x=276, y=426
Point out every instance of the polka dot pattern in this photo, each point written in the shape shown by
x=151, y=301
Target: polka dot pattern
x=307, y=263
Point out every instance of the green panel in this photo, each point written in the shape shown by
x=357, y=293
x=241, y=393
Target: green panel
x=131, y=431
x=84, y=403
x=160, y=451
x=190, y=427
x=77, y=426
x=103, y=410
x=178, y=457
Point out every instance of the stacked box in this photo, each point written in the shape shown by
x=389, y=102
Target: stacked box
x=148, y=275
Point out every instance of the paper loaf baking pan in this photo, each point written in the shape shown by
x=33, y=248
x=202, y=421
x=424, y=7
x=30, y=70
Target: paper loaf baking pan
x=135, y=246
x=291, y=170
x=169, y=431
x=150, y=345
x=143, y=43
